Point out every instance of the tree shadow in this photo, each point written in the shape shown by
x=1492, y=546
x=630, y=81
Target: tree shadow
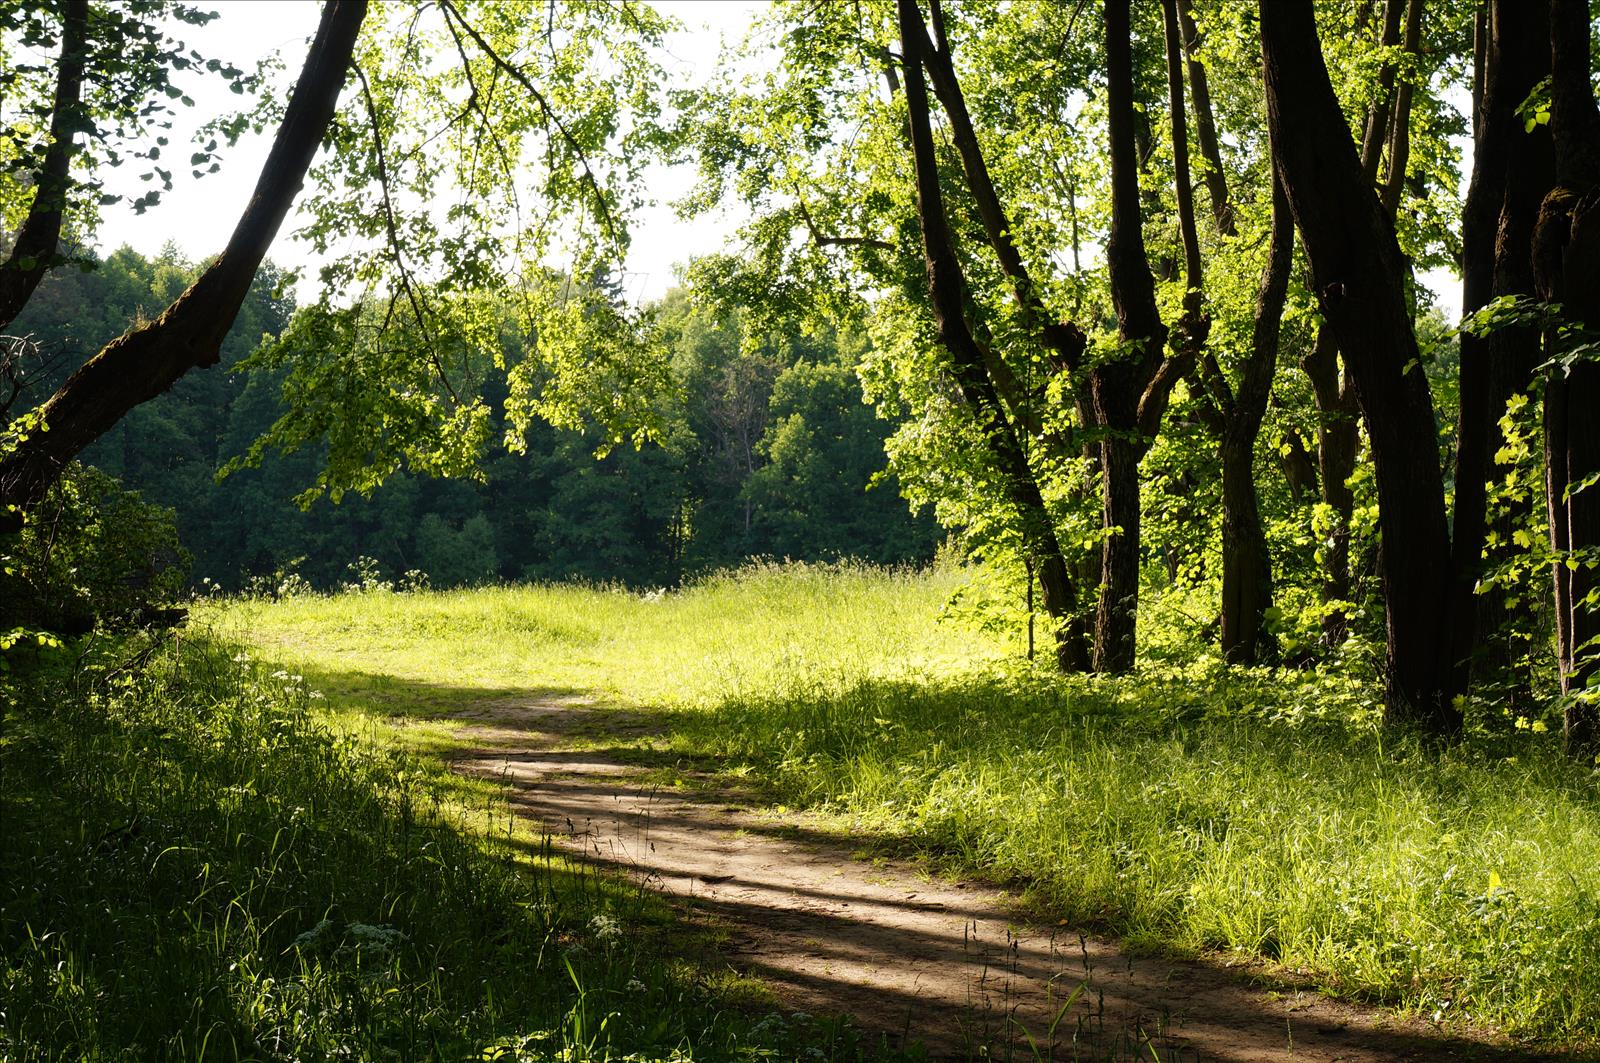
x=961, y=969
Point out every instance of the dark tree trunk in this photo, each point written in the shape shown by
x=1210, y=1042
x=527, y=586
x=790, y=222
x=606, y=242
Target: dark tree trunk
x=1246, y=568
x=947, y=294
x=39, y=236
x=1116, y=614
x=1359, y=276
x=1378, y=120
x=1237, y=413
x=1512, y=171
x=1128, y=394
x=1204, y=125
x=1566, y=258
x=1338, y=413
x=150, y=358
x=1400, y=136
x=1338, y=443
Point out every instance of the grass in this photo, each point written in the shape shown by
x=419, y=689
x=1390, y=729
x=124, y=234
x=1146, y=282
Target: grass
x=1189, y=808
x=200, y=862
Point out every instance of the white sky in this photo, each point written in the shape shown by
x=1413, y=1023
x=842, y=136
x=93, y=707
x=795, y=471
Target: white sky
x=198, y=214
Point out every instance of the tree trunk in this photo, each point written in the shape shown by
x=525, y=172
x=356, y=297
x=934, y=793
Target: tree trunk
x=1117, y=612
x=947, y=294
x=1338, y=425
x=1246, y=568
x=34, y=251
x=1338, y=443
x=1359, y=276
x=1512, y=171
x=1566, y=258
x=1204, y=125
x=1400, y=137
x=1128, y=394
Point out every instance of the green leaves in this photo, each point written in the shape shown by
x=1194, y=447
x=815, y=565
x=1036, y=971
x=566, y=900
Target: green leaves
x=1535, y=110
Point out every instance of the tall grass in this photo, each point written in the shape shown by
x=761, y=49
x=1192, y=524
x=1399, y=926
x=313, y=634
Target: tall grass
x=194, y=865
x=1457, y=883
x=1191, y=807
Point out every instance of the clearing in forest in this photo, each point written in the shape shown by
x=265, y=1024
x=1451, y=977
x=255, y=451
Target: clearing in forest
x=767, y=748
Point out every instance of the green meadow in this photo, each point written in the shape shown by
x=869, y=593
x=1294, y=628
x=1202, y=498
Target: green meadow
x=1191, y=809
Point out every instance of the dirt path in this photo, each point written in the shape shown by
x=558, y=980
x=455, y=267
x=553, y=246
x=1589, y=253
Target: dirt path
x=949, y=964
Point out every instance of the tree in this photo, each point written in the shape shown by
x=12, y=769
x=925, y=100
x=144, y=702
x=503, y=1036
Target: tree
x=947, y=296
x=1513, y=168
x=1566, y=265
x=147, y=360
x=34, y=247
x=1359, y=276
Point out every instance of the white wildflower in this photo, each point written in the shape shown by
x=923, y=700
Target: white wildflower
x=606, y=929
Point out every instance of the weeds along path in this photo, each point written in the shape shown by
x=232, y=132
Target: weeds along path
x=907, y=956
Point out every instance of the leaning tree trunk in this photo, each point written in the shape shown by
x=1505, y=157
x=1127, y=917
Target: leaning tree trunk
x=1246, y=568
x=947, y=295
x=149, y=359
x=1063, y=341
x=1359, y=277
x=1512, y=170
x=1566, y=248
x=1338, y=412
x=34, y=250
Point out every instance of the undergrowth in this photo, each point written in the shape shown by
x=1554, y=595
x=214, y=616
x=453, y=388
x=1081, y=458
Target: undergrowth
x=195, y=865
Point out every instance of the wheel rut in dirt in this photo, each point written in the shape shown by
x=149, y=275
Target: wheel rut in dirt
x=953, y=965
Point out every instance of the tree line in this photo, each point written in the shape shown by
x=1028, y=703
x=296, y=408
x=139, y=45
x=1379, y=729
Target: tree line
x=768, y=451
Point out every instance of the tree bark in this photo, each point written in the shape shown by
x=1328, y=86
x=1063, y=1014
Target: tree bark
x=1246, y=568
x=947, y=294
x=38, y=238
x=1359, y=276
x=1566, y=259
x=1205, y=128
x=1512, y=171
x=1129, y=393
x=150, y=358
x=1338, y=443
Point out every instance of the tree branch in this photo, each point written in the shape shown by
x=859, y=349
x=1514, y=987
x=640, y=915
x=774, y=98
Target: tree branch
x=394, y=236
x=550, y=114
x=835, y=241
x=35, y=248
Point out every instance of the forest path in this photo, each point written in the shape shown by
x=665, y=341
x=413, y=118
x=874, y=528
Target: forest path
x=955, y=965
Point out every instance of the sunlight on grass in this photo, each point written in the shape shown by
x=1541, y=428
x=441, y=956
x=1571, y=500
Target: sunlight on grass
x=1194, y=808
x=749, y=631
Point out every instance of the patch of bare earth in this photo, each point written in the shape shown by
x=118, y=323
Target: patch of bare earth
x=950, y=964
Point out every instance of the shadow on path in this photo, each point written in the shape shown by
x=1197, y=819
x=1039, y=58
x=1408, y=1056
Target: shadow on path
x=913, y=958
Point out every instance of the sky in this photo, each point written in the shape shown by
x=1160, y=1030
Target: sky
x=198, y=214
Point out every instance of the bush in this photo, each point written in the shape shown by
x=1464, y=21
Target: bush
x=91, y=552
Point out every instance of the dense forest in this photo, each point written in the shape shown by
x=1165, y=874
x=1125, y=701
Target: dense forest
x=1133, y=314
x=766, y=451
